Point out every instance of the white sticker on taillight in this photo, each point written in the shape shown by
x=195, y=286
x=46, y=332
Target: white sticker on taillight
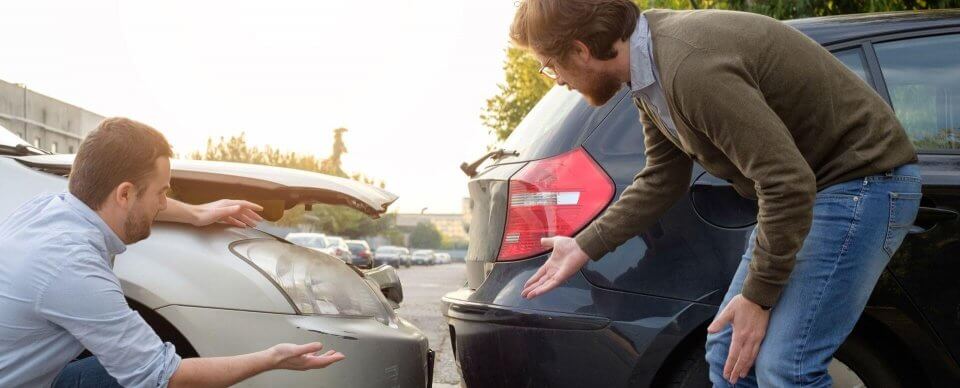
x=545, y=199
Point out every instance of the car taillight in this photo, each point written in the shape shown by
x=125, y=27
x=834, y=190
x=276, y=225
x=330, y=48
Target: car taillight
x=557, y=196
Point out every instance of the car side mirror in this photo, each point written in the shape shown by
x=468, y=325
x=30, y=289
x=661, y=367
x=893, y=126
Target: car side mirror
x=385, y=277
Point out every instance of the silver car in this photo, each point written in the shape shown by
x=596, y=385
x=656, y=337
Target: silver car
x=315, y=241
x=340, y=249
x=222, y=290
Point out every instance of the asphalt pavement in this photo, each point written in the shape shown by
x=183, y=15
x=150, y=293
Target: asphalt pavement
x=423, y=286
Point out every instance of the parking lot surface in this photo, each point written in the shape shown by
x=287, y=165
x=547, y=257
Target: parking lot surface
x=423, y=286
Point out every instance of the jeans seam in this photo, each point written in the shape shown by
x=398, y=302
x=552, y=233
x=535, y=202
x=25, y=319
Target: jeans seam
x=890, y=214
x=805, y=331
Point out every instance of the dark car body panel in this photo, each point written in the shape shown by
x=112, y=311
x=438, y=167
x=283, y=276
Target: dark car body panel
x=831, y=30
x=621, y=319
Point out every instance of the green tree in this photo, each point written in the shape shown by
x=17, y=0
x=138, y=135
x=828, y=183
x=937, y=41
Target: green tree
x=426, y=235
x=523, y=86
x=395, y=236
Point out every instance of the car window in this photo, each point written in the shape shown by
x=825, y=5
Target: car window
x=853, y=58
x=558, y=123
x=923, y=79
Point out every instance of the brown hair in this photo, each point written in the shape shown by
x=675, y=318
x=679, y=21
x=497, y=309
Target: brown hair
x=549, y=27
x=118, y=150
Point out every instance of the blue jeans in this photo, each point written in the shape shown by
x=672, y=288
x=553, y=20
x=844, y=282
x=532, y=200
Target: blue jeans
x=857, y=226
x=85, y=373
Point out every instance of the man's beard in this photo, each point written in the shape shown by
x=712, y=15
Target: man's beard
x=600, y=88
x=136, y=227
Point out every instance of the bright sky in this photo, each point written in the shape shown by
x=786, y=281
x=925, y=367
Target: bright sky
x=408, y=78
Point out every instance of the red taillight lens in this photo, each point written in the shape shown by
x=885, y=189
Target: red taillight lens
x=558, y=196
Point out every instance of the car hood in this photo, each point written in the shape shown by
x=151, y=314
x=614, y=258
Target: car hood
x=276, y=188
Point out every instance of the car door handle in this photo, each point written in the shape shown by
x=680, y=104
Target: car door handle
x=929, y=217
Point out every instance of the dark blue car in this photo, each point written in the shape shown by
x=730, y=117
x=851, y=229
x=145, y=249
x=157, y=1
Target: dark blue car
x=638, y=317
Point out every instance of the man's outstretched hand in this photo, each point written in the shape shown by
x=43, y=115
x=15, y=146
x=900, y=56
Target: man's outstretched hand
x=229, y=211
x=304, y=357
x=566, y=259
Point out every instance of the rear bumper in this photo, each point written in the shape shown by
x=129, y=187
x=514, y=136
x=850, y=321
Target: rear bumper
x=377, y=355
x=576, y=336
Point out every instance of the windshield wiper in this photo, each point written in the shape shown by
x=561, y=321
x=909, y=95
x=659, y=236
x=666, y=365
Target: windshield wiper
x=497, y=154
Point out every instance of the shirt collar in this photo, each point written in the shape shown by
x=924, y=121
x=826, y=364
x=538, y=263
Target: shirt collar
x=115, y=246
x=641, y=62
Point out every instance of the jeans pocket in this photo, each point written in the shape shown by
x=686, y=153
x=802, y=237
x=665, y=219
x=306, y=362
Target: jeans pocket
x=903, y=211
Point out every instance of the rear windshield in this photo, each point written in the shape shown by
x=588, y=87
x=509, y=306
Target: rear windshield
x=356, y=247
x=557, y=124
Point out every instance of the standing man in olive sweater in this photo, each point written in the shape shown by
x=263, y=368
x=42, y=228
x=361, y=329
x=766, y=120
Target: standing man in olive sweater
x=759, y=104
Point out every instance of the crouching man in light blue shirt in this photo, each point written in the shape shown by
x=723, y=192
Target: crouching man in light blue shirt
x=58, y=292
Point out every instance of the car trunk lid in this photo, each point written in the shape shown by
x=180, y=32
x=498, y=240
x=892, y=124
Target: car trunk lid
x=276, y=188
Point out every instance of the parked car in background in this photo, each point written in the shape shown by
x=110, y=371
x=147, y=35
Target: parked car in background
x=423, y=257
x=362, y=256
x=315, y=241
x=221, y=290
x=638, y=317
x=338, y=248
x=392, y=255
x=442, y=258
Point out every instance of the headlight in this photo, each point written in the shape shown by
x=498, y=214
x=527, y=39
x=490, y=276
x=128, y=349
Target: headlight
x=315, y=283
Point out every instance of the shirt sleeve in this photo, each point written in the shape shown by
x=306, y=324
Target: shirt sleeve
x=85, y=299
x=719, y=96
x=664, y=178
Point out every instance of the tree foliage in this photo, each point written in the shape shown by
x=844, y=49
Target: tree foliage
x=523, y=86
x=522, y=89
x=426, y=235
x=337, y=220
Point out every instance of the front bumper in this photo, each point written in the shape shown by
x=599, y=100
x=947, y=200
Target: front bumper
x=377, y=355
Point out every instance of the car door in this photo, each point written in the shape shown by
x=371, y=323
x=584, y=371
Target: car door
x=921, y=80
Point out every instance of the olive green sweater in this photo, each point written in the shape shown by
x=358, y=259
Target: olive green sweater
x=759, y=104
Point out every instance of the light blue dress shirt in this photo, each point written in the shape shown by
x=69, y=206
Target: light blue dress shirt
x=644, y=77
x=59, y=295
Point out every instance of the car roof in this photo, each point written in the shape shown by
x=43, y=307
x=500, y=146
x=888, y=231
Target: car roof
x=828, y=30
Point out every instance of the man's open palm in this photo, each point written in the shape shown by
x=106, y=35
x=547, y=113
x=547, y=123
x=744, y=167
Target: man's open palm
x=305, y=357
x=566, y=259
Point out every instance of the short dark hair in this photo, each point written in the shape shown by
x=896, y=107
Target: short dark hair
x=549, y=27
x=118, y=150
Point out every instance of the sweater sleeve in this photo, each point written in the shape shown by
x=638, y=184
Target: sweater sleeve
x=663, y=179
x=719, y=96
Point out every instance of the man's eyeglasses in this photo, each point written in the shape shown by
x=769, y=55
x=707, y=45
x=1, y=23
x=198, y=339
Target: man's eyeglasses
x=548, y=71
